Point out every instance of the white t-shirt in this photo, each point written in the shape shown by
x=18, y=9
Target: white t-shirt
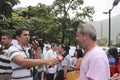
x=50, y=53
x=18, y=71
x=95, y=65
x=62, y=63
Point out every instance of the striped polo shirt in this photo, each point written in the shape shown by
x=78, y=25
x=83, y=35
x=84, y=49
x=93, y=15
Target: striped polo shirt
x=19, y=73
x=5, y=67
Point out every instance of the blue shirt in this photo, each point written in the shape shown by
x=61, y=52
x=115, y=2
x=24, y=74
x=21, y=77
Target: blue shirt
x=112, y=61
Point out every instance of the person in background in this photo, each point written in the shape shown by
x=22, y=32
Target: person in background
x=111, y=59
x=95, y=64
x=113, y=55
x=62, y=66
x=20, y=59
x=79, y=55
x=5, y=67
x=68, y=57
x=51, y=71
x=1, y=48
x=47, y=48
x=37, y=73
x=72, y=61
x=41, y=69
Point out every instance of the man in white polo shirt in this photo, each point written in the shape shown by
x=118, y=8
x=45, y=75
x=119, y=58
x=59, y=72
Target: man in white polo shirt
x=51, y=71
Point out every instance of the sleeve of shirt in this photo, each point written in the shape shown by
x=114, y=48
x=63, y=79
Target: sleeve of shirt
x=13, y=51
x=64, y=62
x=47, y=55
x=97, y=69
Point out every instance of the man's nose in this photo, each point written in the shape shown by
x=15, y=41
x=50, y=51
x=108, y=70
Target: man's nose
x=28, y=36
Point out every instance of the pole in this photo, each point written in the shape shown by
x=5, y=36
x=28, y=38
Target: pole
x=109, y=44
x=114, y=4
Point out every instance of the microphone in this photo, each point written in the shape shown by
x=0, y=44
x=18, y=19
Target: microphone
x=60, y=57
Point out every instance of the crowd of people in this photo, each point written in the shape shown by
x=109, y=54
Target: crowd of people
x=27, y=61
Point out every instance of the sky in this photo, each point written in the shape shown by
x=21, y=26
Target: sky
x=100, y=6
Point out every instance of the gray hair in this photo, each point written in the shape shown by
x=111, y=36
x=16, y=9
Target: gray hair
x=88, y=28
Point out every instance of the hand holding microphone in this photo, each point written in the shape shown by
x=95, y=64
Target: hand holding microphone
x=60, y=57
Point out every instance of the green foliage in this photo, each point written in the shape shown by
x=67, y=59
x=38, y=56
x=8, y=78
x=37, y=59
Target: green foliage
x=6, y=26
x=6, y=8
x=51, y=23
x=85, y=14
x=61, y=9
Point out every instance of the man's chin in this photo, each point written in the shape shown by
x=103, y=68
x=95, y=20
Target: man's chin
x=26, y=43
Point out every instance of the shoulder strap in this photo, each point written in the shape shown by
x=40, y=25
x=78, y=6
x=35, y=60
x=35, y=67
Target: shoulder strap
x=25, y=52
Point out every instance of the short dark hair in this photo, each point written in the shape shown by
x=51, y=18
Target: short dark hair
x=79, y=53
x=8, y=35
x=63, y=46
x=19, y=31
x=113, y=51
x=66, y=48
x=53, y=44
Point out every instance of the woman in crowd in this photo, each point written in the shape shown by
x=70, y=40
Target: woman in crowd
x=79, y=55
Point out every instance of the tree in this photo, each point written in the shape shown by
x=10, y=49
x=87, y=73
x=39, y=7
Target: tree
x=6, y=25
x=6, y=8
x=41, y=22
x=53, y=25
x=62, y=10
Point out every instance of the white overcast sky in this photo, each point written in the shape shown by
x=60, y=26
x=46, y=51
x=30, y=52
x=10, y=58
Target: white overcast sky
x=99, y=5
